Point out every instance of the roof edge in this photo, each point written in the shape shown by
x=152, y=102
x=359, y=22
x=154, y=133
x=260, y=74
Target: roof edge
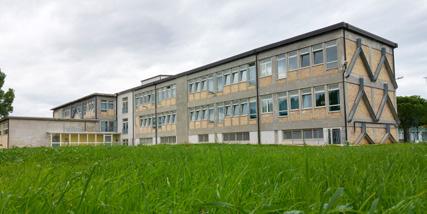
x=83, y=98
x=46, y=119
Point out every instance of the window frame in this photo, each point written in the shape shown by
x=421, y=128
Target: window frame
x=266, y=67
x=331, y=64
x=305, y=52
x=333, y=88
x=282, y=74
x=315, y=49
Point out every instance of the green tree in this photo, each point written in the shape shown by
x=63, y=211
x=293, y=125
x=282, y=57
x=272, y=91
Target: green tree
x=412, y=112
x=6, y=98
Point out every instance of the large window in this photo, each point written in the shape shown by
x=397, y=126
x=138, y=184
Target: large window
x=265, y=67
x=334, y=97
x=293, y=60
x=317, y=54
x=302, y=134
x=267, y=104
x=282, y=69
x=125, y=105
x=331, y=54
x=305, y=57
x=252, y=108
x=306, y=98
x=283, y=105
x=320, y=96
x=294, y=96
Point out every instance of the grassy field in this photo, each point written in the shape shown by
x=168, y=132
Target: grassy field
x=214, y=179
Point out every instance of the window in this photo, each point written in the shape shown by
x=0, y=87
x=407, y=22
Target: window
x=125, y=126
x=220, y=83
x=331, y=54
x=267, y=104
x=282, y=69
x=107, y=126
x=203, y=138
x=318, y=133
x=305, y=57
x=317, y=54
x=334, y=97
x=104, y=105
x=199, y=115
x=221, y=114
x=308, y=134
x=211, y=115
x=173, y=119
x=294, y=100
x=283, y=105
x=173, y=91
x=252, y=74
x=146, y=140
x=194, y=88
x=244, y=108
x=265, y=67
x=243, y=75
x=227, y=79
x=204, y=85
x=210, y=84
x=228, y=110
x=306, y=98
x=287, y=135
x=198, y=86
x=236, y=110
x=252, y=108
x=320, y=96
x=296, y=134
x=237, y=136
x=235, y=77
x=125, y=105
x=293, y=64
x=205, y=114
x=168, y=139
x=108, y=139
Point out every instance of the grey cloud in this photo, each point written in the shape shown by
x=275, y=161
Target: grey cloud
x=55, y=51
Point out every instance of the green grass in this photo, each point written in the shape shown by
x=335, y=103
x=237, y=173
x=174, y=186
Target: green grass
x=214, y=179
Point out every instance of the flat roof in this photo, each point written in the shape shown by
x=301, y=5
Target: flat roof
x=321, y=31
x=84, y=98
x=46, y=119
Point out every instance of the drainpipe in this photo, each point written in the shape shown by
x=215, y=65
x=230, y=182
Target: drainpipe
x=155, y=113
x=257, y=100
x=343, y=81
x=133, y=117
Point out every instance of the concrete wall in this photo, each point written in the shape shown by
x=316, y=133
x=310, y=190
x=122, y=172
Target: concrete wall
x=4, y=130
x=33, y=133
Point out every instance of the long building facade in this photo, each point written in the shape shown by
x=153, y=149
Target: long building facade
x=334, y=85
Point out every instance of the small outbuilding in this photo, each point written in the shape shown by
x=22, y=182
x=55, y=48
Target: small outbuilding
x=48, y=132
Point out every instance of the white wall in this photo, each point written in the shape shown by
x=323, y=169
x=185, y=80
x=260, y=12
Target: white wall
x=129, y=116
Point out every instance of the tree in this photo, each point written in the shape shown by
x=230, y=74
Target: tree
x=6, y=98
x=412, y=112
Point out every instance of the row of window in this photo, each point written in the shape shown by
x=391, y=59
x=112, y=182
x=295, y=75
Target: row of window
x=301, y=59
x=217, y=82
x=298, y=99
x=168, y=139
x=163, y=93
x=302, y=134
x=290, y=61
x=73, y=111
x=163, y=119
x=234, y=108
x=303, y=99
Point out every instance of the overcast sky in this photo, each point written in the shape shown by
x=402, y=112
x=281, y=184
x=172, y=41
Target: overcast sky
x=56, y=51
